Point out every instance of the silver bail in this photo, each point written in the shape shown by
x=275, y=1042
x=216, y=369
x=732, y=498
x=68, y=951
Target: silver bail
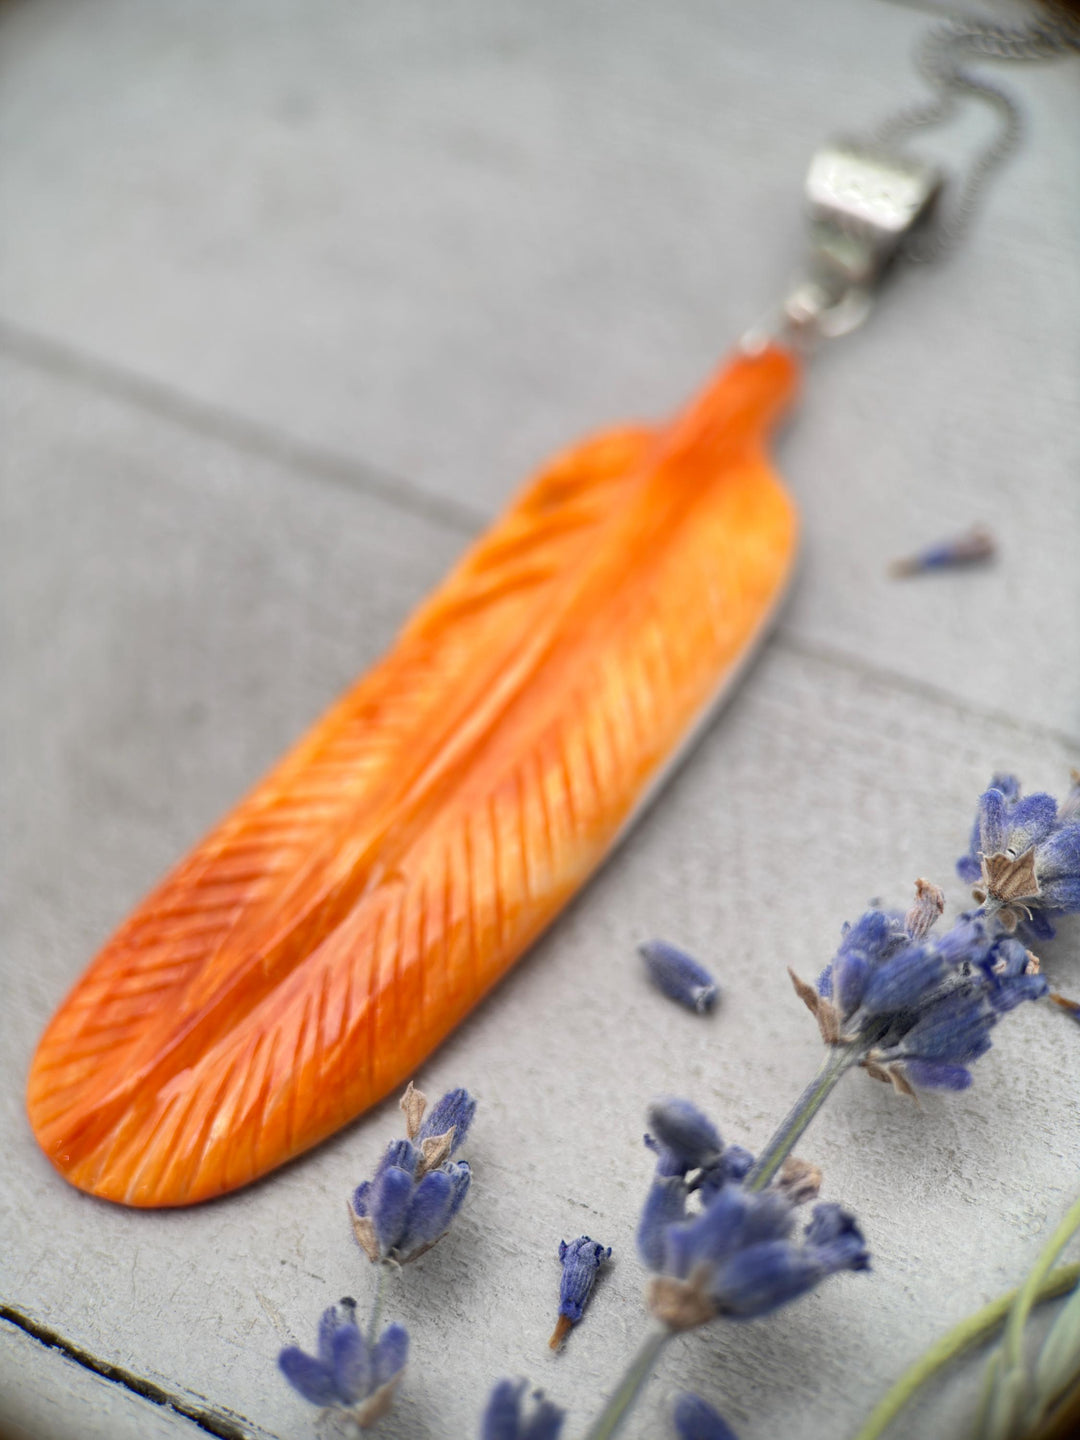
x=862, y=204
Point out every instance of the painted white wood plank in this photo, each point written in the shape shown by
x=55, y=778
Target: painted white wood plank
x=175, y=612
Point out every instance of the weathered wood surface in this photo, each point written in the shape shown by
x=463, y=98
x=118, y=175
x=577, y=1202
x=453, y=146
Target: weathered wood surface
x=290, y=299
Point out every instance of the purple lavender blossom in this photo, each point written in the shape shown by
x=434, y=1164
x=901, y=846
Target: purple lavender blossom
x=416, y=1191
x=581, y=1261
x=454, y=1112
x=695, y=1420
x=348, y=1373
x=921, y=1007
x=682, y=1137
x=679, y=976
x=1023, y=858
x=505, y=1419
x=737, y=1254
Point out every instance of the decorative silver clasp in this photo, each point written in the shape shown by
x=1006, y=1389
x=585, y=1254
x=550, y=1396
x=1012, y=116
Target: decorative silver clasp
x=862, y=204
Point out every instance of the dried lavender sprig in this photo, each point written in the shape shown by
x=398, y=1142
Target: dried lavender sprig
x=396, y=1216
x=976, y=545
x=737, y=1256
x=911, y=1008
x=914, y=1008
x=417, y=1189
x=894, y=1000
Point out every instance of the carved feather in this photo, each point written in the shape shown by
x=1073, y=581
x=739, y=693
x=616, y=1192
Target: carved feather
x=303, y=960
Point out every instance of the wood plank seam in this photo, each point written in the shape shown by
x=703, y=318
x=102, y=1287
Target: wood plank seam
x=308, y=461
x=240, y=432
x=222, y=1424
x=825, y=654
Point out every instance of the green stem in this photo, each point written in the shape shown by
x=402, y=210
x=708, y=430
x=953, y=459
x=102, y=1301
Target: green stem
x=838, y=1059
x=1005, y=1384
x=969, y=1333
x=634, y=1376
x=1012, y=1341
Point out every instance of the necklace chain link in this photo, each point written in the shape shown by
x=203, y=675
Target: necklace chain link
x=943, y=58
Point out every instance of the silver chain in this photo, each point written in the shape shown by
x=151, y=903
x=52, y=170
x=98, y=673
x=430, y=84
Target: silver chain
x=867, y=201
x=943, y=60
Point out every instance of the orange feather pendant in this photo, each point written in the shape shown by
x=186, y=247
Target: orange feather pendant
x=308, y=954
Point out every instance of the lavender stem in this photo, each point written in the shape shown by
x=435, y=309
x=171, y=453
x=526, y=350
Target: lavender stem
x=839, y=1059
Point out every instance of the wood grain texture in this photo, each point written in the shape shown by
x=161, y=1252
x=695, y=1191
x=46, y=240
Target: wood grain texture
x=333, y=929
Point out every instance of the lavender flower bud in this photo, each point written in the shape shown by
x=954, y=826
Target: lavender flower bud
x=504, y=1418
x=734, y=1165
x=581, y=1261
x=665, y=1206
x=1023, y=858
x=968, y=866
x=415, y=1192
x=834, y=1233
x=679, y=976
x=690, y=1139
x=694, y=1420
x=427, y=1217
x=1058, y=868
x=454, y=1112
x=391, y=1196
x=904, y=981
x=937, y=1075
x=764, y=1278
x=347, y=1372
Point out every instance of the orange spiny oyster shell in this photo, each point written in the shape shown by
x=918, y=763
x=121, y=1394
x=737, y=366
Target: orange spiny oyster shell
x=308, y=954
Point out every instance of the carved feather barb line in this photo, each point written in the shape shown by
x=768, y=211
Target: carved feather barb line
x=308, y=954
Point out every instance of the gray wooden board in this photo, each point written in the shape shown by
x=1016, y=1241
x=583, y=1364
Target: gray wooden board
x=447, y=240
x=291, y=297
